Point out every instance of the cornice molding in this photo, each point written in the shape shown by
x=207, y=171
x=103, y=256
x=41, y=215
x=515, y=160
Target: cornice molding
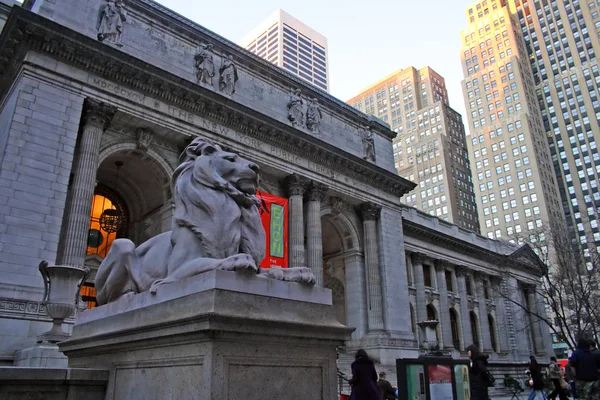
x=26, y=31
x=441, y=239
x=253, y=62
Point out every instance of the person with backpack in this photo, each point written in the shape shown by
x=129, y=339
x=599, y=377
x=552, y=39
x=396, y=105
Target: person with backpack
x=480, y=378
x=556, y=376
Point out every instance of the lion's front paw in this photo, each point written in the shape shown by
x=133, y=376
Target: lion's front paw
x=239, y=262
x=301, y=274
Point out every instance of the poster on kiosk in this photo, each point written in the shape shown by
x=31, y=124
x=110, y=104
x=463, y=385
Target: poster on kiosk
x=274, y=216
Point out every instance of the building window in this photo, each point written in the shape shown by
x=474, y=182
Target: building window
x=474, y=330
x=492, y=332
x=454, y=327
x=449, y=285
x=427, y=275
x=413, y=324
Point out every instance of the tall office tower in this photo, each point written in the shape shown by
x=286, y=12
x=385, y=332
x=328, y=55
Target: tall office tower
x=430, y=148
x=514, y=182
x=561, y=38
x=291, y=45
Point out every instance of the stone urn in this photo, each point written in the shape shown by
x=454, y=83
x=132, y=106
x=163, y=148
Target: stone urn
x=430, y=342
x=62, y=284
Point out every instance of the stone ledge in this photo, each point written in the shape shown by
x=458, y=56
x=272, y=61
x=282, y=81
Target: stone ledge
x=23, y=376
x=223, y=280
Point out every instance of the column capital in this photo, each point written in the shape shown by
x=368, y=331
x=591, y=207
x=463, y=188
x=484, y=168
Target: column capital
x=417, y=258
x=370, y=211
x=440, y=265
x=97, y=113
x=295, y=185
x=479, y=276
x=460, y=271
x=316, y=191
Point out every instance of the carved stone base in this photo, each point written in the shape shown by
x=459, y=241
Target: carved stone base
x=220, y=335
x=40, y=356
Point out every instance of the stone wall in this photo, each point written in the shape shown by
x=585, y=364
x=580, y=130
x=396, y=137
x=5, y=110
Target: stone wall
x=34, y=176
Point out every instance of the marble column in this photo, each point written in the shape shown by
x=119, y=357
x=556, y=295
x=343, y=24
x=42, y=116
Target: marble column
x=96, y=117
x=515, y=311
x=370, y=214
x=535, y=322
x=356, y=293
x=314, y=234
x=419, y=282
x=502, y=325
x=444, y=311
x=296, y=186
x=484, y=325
x=465, y=316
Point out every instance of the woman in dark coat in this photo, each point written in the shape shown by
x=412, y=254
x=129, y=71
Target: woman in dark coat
x=477, y=373
x=535, y=372
x=364, y=378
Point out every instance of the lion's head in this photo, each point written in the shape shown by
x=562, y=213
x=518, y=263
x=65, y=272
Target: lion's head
x=203, y=184
x=213, y=167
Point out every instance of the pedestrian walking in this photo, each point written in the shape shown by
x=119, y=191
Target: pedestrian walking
x=556, y=376
x=585, y=365
x=537, y=387
x=478, y=373
x=364, y=378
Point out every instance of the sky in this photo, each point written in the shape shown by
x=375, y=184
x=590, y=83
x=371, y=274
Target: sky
x=367, y=41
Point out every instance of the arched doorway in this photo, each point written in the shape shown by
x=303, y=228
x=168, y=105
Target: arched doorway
x=341, y=266
x=132, y=200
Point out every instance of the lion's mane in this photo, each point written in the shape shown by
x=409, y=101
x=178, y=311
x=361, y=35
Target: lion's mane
x=202, y=197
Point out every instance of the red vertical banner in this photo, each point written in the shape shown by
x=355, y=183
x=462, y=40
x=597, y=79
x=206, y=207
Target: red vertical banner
x=274, y=216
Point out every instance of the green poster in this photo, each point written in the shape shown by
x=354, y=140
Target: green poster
x=463, y=390
x=415, y=382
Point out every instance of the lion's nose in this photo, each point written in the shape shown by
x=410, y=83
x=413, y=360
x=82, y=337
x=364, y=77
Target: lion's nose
x=254, y=168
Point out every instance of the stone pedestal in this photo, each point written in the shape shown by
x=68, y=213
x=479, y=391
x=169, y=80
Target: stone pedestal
x=42, y=355
x=219, y=335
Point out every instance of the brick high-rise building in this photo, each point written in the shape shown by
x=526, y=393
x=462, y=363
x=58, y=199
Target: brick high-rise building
x=430, y=148
x=514, y=181
x=291, y=45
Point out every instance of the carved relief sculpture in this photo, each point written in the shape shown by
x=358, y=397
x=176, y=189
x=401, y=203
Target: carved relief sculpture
x=111, y=21
x=216, y=225
x=368, y=144
x=205, y=65
x=294, y=106
x=313, y=116
x=228, y=76
x=144, y=138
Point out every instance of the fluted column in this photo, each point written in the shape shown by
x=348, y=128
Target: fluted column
x=421, y=306
x=296, y=186
x=314, y=236
x=536, y=328
x=444, y=308
x=484, y=325
x=96, y=117
x=465, y=319
x=370, y=214
x=502, y=325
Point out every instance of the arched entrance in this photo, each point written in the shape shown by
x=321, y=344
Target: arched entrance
x=342, y=263
x=132, y=200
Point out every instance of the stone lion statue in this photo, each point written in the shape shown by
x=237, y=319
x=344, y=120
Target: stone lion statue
x=216, y=225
